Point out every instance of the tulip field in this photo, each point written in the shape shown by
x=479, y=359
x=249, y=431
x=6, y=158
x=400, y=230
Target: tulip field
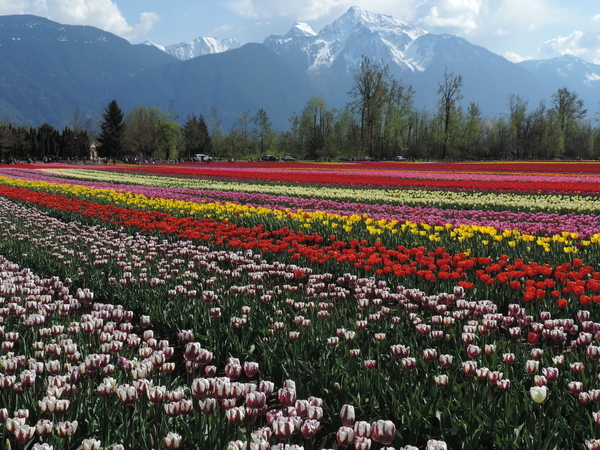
x=291, y=306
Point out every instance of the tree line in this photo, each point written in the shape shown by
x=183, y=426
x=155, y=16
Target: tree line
x=379, y=122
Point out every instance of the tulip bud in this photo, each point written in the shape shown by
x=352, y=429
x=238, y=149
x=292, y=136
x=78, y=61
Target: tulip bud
x=345, y=436
x=362, y=443
x=24, y=433
x=509, y=358
x=503, y=385
x=43, y=427
x=432, y=444
x=310, y=428
x=532, y=366
x=347, y=415
x=236, y=414
x=90, y=444
x=538, y=393
x=250, y=368
x=208, y=406
x=383, y=431
x=287, y=396
x=66, y=429
x=283, y=427
x=441, y=380
x=172, y=441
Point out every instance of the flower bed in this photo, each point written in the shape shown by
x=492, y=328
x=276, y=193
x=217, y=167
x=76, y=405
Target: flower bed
x=242, y=325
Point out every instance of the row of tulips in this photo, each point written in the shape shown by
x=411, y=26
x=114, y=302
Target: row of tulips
x=483, y=239
x=557, y=203
x=536, y=167
x=544, y=224
x=564, y=282
x=472, y=200
x=341, y=177
x=420, y=172
x=403, y=387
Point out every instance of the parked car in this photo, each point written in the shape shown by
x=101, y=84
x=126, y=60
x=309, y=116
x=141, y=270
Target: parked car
x=200, y=157
x=399, y=158
x=130, y=159
x=269, y=158
x=288, y=158
x=51, y=158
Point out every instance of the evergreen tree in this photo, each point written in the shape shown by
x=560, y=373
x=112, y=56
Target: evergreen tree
x=195, y=136
x=112, y=127
x=263, y=131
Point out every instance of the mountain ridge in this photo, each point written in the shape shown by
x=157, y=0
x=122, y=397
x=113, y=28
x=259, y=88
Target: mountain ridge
x=48, y=69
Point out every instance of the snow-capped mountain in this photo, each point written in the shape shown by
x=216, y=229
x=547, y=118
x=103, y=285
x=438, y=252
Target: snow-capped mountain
x=415, y=56
x=347, y=39
x=87, y=67
x=198, y=47
x=567, y=71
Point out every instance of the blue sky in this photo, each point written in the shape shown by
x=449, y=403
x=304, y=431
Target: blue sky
x=515, y=29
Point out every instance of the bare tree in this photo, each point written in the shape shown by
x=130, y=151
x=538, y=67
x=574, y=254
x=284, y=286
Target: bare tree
x=370, y=91
x=449, y=91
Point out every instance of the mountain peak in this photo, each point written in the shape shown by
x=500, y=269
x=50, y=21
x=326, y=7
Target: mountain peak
x=356, y=19
x=300, y=29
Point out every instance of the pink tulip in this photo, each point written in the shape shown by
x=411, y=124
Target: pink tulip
x=66, y=429
x=345, y=436
x=362, y=428
x=90, y=444
x=310, y=428
x=383, y=431
x=236, y=414
x=347, y=415
x=469, y=368
x=208, y=406
x=256, y=399
x=287, y=396
x=284, y=427
x=362, y=443
x=250, y=368
x=172, y=441
x=127, y=394
x=400, y=351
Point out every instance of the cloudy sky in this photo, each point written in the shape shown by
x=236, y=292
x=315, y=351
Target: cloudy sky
x=515, y=29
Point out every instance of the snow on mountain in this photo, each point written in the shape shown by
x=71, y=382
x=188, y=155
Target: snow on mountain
x=565, y=67
x=153, y=44
x=354, y=34
x=200, y=46
x=413, y=55
x=300, y=29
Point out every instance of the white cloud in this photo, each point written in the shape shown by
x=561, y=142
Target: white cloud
x=584, y=45
x=103, y=14
x=501, y=32
x=462, y=21
x=315, y=9
x=461, y=15
x=222, y=29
